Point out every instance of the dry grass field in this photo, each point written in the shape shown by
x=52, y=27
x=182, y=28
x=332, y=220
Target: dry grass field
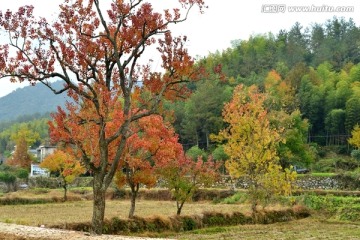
x=309, y=228
x=315, y=227
x=80, y=211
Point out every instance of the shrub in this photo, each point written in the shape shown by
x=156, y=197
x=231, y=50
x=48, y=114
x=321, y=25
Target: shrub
x=239, y=197
x=350, y=213
x=22, y=173
x=188, y=223
x=211, y=194
x=224, y=219
x=9, y=179
x=356, y=154
x=346, y=164
x=215, y=219
x=324, y=165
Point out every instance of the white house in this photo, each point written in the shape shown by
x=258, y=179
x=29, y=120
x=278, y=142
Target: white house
x=38, y=171
x=43, y=151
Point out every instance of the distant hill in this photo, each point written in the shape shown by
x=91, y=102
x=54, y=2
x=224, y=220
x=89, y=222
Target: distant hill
x=30, y=100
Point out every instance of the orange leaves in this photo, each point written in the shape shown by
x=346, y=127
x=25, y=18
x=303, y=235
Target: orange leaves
x=64, y=163
x=152, y=143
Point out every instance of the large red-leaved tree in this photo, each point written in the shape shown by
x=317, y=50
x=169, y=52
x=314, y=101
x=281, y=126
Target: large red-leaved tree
x=96, y=51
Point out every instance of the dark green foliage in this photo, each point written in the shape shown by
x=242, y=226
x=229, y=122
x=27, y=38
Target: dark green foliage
x=356, y=154
x=221, y=219
x=9, y=179
x=188, y=223
x=352, y=112
x=22, y=173
x=194, y=152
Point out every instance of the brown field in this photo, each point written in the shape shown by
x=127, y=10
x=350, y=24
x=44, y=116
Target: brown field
x=80, y=211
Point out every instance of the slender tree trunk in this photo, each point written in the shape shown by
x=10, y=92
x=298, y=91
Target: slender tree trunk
x=134, y=192
x=179, y=207
x=65, y=192
x=98, y=204
x=207, y=140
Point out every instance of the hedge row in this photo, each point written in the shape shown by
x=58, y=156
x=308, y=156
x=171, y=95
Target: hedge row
x=188, y=223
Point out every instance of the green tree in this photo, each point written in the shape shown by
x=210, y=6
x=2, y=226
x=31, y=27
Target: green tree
x=220, y=156
x=194, y=152
x=352, y=113
x=203, y=112
x=183, y=176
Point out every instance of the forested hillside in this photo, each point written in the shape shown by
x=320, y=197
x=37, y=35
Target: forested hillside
x=30, y=100
x=314, y=69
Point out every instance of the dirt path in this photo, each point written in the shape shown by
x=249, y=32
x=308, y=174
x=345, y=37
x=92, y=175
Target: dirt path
x=20, y=232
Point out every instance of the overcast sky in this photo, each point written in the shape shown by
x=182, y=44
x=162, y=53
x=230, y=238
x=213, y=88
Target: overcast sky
x=222, y=22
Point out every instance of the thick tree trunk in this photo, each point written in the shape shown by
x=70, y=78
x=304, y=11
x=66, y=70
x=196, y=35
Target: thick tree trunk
x=98, y=205
x=132, y=206
x=134, y=192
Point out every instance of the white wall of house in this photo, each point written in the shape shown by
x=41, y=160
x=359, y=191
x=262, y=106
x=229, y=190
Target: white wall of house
x=44, y=151
x=37, y=171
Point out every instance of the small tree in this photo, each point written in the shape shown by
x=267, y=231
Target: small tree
x=355, y=137
x=219, y=155
x=194, y=152
x=64, y=164
x=251, y=144
x=23, y=139
x=355, y=141
x=183, y=177
x=22, y=173
x=152, y=140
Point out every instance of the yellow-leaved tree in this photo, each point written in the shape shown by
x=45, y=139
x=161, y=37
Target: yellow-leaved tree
x=66, y=165
x=355, y=141
x=355, y=137
x=251, y=143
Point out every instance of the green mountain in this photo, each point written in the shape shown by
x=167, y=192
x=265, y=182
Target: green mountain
x=31, y=100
